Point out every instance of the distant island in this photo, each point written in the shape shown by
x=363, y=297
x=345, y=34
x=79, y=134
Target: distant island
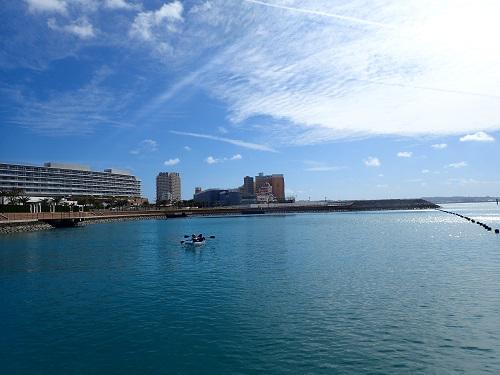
x=444, y=200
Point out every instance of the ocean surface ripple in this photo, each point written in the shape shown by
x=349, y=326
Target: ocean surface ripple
x=378, y=292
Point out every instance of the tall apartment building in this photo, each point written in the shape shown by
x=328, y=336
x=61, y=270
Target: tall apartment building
x=168, y=187
x=61, y=180
x=277, y=181
x=248, y=186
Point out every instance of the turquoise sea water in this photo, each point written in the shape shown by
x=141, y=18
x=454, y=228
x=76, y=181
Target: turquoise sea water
x=378, y=292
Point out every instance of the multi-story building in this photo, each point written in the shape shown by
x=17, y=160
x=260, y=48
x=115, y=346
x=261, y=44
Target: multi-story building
x=248, y=187
x=61, y=180
x=277, y=182
x=265, y=194
x=168, y=187
x=218, y=197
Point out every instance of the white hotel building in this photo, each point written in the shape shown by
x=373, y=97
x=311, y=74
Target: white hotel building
x=63, y=180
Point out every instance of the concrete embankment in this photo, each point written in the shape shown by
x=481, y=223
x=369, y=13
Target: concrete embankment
x=365, y=205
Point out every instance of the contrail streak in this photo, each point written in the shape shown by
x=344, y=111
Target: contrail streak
x=323, y=14
x=437, y=89
x=236, y=142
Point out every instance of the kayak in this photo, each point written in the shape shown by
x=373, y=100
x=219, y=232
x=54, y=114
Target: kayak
x=194, y=243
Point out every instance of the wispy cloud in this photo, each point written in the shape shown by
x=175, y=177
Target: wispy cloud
x=315, y=166
x=187, y=148
x=272, y=61
x=439, y=146
x=471, y=181
x=280, y=67
x=477, y=137
x=425, y=171
x=236, y=142
x=460, y=164
x=171, y=162
x=57, y=6
x=405, y=154
x=145, y=146
x=121, y=4
x=81, y=28
x=321, y=14
x=74, y=112
x=236, y=157
x=325, y=168
x=372, y=161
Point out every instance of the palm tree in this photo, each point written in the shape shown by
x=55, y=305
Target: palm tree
x=14, y=195
x=3, y=196
x=23, y=199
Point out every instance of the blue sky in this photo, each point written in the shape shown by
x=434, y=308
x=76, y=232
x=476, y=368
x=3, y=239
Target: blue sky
x=348, y=99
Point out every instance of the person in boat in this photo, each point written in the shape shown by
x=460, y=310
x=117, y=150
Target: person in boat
x=199, y=238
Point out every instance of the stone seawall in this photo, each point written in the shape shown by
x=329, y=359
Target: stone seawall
x=35, y=226
x=22, y=227
x=111, y=220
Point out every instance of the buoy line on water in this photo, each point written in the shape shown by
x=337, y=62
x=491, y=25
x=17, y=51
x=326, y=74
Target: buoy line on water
x=487, y=227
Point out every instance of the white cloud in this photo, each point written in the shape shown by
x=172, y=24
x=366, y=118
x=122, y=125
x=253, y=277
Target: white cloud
x=56, y=6
x=460, y=164
x=425, y=171
x=187, y=148
x=148, y=24
x=211, y=160
x=372, y=162
x=477, y=137
x=236, y=142
x=397, y=63
x=272, y=61
x=82, y=28
x=405, y=154
x=145, y=146
x=120, y=4
x=171, y=162
x=439, y=146
x=222, y=130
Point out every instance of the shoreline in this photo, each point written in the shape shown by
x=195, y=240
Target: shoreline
x=28, y=226
x=23, y=223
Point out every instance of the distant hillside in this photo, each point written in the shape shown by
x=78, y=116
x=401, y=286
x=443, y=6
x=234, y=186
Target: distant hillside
x=444, y=200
